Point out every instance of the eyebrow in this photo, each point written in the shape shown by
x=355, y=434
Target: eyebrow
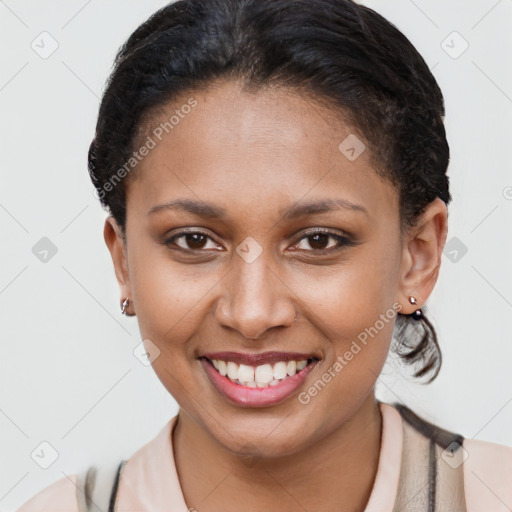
x=323, y=206
x=199, y=208
x=296, y=210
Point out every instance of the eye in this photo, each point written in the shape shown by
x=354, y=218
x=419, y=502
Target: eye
x=319, y=240
x=192, y=241
x=323, y=240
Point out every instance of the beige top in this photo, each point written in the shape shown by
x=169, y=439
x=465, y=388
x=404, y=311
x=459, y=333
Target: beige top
x=149, y=481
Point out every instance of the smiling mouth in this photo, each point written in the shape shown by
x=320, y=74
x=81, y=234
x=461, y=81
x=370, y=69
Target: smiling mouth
x=259, y=376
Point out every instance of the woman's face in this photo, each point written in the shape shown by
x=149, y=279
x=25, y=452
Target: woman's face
x=257, y=276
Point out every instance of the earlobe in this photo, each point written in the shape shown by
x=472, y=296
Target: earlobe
x=113, y=236
x=422, y=252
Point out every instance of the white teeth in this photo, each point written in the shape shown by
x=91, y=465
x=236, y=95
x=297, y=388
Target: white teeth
x=280, y=370
x=301, y=364
x=245, y=373
x=223, y=367
x=264, y=374
x=232, y=370
x=291, y=368
x=260, y=376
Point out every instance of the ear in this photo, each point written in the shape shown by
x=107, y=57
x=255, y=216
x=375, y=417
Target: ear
x=113, y=236
x=421, y=255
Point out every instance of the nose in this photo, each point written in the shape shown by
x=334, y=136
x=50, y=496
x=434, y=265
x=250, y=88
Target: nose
x=255, y=299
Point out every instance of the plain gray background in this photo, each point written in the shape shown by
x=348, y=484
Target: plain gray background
x=68, y=375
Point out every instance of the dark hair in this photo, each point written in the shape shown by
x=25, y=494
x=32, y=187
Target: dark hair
x=339, y=52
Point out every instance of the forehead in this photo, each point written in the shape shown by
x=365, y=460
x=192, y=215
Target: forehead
x=263, y=149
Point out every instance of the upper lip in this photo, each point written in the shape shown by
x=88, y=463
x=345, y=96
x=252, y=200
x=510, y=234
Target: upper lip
x=258, y=359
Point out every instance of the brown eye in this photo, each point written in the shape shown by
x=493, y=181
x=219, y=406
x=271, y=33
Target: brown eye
x=323, y=241
x=191, y=241
x=195, y=240
x=318, y=241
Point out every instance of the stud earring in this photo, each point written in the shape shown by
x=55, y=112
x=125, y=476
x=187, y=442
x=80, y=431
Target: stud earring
x=418, y=314
x=124, y=306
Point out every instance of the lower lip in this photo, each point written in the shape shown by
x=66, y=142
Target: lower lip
x=256, y=397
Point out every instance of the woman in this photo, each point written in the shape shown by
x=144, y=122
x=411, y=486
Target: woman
x=275, y=174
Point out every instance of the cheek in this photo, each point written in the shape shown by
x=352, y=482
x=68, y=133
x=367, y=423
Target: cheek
x=169, y=297
x=354, y=307
x=170, y=305
x=351, y=297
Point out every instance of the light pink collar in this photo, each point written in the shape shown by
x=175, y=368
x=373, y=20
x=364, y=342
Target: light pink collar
x=150, y=481
x=385, y=487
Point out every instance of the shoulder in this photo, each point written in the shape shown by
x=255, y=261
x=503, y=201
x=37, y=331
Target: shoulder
x=98, y=484
x=488, y=474
x=60, y=496
x=484, y=468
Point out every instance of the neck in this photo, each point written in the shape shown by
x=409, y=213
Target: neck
x=336, y=473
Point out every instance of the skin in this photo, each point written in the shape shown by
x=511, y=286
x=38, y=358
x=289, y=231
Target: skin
x=254, y=155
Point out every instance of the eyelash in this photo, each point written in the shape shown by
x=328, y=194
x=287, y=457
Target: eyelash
x=343, y=241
